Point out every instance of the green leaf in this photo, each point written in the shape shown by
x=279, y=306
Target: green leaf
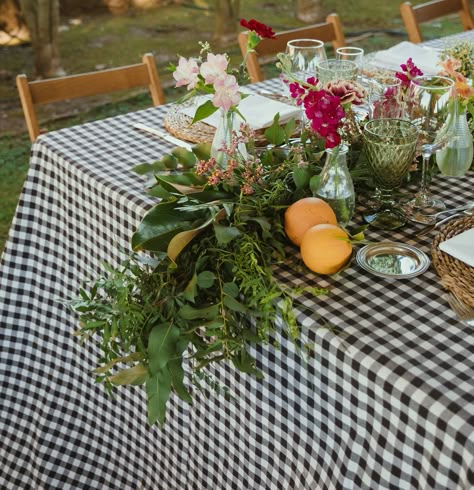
x=204, y=110
x=158, y=389
x=135, y=375
x=275, y=134
x=190, y=291
x=169, y=161
x=180, y=240
x=301, y=176
x=134, y=356
x=185, y=157
x=290, y=128
x=161, y=224
x=231, y=289
x=177, y=378
x=246, y=363
x=234, y=305
x=202, y=151
x=314, y=182
x=225, y=234
x=146, y=168
x=187, y=312
x=162, y=346
x=206, y=279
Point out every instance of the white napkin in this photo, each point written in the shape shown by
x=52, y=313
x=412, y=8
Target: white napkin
x=425, y=58
x=461, y=247
x=257, y=110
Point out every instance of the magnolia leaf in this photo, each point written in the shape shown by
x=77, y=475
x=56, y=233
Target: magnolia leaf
x=234, y=305
x=225, y=234
x=275, y=134
x=301, y=176
x=158, y=389
x=134, y=356
x=161, y=224
x=177, y=377
x=187, y=312
x=185, y=157
x=231, y=289
x=190, y=291
x=135, y=375
x=180, y=240
x=162, y=346
x=185, y=178
x=206, y=279
x=204, y=110
x=159, y=191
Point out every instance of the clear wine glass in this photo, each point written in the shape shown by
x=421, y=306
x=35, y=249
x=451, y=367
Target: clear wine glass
x=430, y=107
x=352, y=54
x=303, y=56
x=385, y=98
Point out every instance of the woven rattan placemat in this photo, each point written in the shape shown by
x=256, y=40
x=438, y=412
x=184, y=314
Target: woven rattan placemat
x=456, y=275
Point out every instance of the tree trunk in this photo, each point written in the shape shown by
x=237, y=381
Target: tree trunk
x=309, y=11
x=42, y=18
x=227, y=14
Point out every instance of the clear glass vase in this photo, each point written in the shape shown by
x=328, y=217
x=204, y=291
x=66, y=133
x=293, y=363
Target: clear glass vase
x=335, y=184
x=228, y=127
x=456, y=158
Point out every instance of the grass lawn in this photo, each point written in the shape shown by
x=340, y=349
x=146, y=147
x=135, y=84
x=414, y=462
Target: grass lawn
x=98, y=41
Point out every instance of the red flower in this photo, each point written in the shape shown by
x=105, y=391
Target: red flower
x=409, y=71
x=262, y=30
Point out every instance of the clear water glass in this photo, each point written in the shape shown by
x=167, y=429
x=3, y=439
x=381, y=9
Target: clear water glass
x=352, y=54
x=332, y=70
x=384, y=98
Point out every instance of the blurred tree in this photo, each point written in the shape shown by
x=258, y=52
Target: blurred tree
x=42, y=18
x=309, y=10
x=227, y=16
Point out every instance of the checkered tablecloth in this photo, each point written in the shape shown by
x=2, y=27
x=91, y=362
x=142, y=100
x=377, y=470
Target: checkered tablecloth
x=388, y=404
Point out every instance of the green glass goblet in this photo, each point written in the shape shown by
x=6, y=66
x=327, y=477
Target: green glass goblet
x=390, y=146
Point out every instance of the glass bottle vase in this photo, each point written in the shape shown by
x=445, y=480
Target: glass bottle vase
x=335, y=185
x=455, y=159
x=227, y=129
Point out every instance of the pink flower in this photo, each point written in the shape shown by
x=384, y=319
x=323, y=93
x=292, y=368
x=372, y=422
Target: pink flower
x=186, y=73
x=347, y=91
x=215, y=67
x=450, y=66
x=226, y=92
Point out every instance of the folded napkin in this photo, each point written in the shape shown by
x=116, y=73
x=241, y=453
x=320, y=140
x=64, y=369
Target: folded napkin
x=461, y=247
x=257, y=110
x=426, y=59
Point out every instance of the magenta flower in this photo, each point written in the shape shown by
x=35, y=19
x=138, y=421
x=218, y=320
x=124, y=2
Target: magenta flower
x=409, y=71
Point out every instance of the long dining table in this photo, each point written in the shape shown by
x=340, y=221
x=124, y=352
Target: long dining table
x=386, y=402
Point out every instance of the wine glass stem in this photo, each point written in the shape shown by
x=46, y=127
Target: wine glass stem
x=422, y=195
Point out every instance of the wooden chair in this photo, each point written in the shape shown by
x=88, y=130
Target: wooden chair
x=414, y=15
x=329, y=31
x=86, y=84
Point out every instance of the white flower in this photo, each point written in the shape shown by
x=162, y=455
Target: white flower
x=227, y=92
x=215, y=67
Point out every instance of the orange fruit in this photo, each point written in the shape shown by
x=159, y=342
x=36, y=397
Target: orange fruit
x=305, y=213
x=325, y=249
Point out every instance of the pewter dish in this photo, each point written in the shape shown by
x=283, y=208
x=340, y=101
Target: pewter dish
x=393, y=260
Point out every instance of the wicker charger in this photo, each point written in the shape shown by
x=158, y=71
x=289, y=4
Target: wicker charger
x=456, y=275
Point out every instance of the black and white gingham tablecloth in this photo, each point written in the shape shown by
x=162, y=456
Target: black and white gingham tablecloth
x=387, y=405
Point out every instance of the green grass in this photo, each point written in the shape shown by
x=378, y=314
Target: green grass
x=167, y=32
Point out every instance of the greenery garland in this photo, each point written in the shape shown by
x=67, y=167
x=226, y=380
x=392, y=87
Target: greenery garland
x=207, y=291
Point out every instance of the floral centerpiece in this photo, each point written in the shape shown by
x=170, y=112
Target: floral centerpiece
x=199, y=287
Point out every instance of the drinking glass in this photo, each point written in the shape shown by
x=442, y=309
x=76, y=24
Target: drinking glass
x=352, y=54
x=390, y=146
x=303, y=56
x=429, y=106
x=333, y=69
x=385, y=98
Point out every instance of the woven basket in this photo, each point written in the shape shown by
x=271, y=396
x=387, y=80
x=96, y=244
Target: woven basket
x=456, y=275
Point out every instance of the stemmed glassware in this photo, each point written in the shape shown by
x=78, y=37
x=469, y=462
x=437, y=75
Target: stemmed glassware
x=430, y=106
x=390, y=146
x=352, y=54
x=385, y=98
x=303, y=56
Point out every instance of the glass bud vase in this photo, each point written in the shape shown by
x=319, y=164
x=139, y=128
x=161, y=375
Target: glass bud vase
x=335, y=184
x=455, y=159
x=229, y=125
